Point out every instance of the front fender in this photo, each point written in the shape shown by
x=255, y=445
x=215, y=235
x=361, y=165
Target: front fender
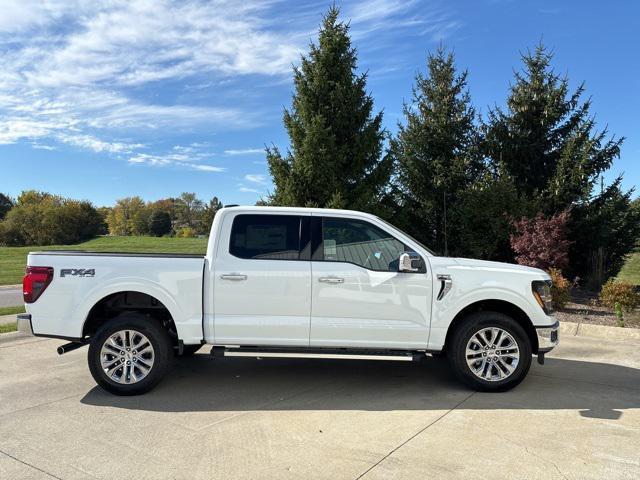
x=445, y=310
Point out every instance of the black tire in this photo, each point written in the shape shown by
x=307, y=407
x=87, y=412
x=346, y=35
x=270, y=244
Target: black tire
x=469, y=327
x=158, y=338
x=189, y=350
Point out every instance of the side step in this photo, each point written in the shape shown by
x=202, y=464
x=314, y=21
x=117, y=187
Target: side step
x=320, y=353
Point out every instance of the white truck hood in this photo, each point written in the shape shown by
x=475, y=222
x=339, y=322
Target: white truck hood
x=484, y=265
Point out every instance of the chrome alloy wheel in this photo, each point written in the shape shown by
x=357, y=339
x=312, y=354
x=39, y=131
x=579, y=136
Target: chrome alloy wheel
x=127, y=356
x=492, y=354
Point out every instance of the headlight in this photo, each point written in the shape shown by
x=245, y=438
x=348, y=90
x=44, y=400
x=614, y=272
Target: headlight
x=542, y=293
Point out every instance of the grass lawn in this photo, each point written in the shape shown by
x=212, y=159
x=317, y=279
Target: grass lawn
x=631, y=270
x=11, y=310
x=9, y=327
x=14, y=259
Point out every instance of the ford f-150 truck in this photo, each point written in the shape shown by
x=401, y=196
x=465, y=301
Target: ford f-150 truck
x=303, y=282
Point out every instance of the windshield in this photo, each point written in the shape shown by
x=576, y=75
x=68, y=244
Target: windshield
x=412, y=239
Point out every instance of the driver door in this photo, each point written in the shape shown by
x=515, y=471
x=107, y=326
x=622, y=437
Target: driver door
x=359, y=298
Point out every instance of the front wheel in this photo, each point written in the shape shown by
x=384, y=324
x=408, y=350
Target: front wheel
x=490, y=352
x=129, y=355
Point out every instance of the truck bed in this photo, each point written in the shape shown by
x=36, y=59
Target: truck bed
x=81, y=279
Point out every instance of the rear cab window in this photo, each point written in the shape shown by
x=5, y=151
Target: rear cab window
x=269, y=237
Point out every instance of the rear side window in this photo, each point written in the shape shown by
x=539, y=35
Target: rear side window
x=266, y=237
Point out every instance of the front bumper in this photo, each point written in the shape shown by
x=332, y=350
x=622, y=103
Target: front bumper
x=548, y=337
x=24, y=324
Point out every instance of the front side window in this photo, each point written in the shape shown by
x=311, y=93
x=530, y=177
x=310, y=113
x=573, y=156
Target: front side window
x=266, y=237
x=360, y=243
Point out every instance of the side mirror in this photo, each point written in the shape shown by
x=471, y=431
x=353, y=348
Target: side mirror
x=409, y=262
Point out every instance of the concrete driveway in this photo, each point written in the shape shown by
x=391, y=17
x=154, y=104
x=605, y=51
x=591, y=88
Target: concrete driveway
x=577, y=417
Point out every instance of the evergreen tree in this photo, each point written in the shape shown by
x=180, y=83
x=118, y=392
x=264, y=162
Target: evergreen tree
x=437, y=153
x=209, y=214
x=6, y=204
x=547, y=142
x=336, y=154
x=603, y=231
x=546, y=138
x=159, y=223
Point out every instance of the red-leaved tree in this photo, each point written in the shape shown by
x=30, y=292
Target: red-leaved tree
x=542, y=242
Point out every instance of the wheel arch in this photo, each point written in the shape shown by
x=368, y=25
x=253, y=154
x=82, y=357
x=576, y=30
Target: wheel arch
x=500, y=306
x=114, y=304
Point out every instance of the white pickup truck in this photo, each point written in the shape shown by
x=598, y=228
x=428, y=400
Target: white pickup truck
x=290, y=282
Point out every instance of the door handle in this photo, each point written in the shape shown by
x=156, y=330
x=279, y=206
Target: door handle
x=233, y=276
x=331, y=280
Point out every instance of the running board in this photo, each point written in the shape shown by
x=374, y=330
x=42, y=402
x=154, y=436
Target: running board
x=324, y=353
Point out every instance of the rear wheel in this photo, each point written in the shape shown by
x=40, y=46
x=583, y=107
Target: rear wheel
x=490, y=352
x=129, y=355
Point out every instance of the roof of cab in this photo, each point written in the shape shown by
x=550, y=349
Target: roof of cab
x=298, y=210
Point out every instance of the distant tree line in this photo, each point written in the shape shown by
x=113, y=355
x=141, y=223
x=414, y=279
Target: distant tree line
x=462, y=183
x=185, y=216
x=39, y=218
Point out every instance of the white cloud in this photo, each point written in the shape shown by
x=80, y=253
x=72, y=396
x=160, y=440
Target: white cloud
x=39, y=146
x=134, y=42
x=69, y=68
x=372, y=17
x=176, y=160
x=206, y=168
x=255, y=178
x=90, y=74
x=92, y=143
x=248, y=190
x=244, y=151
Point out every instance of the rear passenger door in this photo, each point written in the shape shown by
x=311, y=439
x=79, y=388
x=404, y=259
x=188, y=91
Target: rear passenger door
x=360, y=299
x=262, y=286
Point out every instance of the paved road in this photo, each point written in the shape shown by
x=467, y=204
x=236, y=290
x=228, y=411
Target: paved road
x=577, y=417
x=10, y=297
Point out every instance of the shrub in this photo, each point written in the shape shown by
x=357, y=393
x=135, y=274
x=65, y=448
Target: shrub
x=186, y=232
x=623, y=293
x=40, y=218
x=542, y=242
x=619, y=315
x=561, y=289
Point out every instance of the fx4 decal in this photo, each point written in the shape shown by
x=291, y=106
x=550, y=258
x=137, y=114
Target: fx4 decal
x=78, y=272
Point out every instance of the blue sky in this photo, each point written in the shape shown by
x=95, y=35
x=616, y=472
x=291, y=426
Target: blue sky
x=155, y=97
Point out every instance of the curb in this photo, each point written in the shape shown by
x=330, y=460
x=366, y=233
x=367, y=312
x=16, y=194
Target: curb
x=5, y=337
x=572, y=329
x=10, y=287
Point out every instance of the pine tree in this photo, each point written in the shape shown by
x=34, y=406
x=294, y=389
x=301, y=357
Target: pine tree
x=336, y=156
x=436, y=152
x=208, y=215
x=546, y=139
x=547, y=142
x=159, y=223
x=603, y=232
x=6, y=204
